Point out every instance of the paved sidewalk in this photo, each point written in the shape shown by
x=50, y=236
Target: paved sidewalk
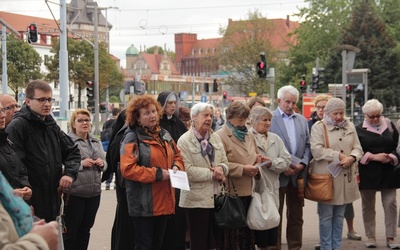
x=101, y=231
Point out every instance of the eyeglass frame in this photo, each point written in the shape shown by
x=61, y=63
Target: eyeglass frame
x=83, y=121
x=13, y=106
x=3, y=110
x=43, y=100
x=374, y=116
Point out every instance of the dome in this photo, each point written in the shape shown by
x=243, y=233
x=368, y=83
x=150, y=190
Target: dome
x=132, y=51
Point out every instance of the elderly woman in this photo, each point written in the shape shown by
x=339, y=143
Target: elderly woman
x=271, y=146
x=206, y=165
x=241, y=151
x=379, y=141
x=345, y=148
x=147, y=153
x=84, y=198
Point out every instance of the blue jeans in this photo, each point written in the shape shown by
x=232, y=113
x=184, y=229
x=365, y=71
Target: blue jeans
x=330, y=225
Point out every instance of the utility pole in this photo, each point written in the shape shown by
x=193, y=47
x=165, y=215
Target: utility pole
x=4, y=57
x=96, y=72
x=63, y=60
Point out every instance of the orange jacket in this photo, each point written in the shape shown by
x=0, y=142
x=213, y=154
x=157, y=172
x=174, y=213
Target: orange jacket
x=142, y=160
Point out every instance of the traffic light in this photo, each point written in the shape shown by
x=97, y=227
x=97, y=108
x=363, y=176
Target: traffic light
x=320, y=76
x=224, y=95
x=32, y=33
x=262, y=67
x=314, y=81
x=303, y=85
x=90, y=94
x=71, y=98
x=349, y=89
x=206, y=89
x=215, y=86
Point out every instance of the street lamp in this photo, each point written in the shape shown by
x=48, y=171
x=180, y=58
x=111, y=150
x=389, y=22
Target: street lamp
x=348, y=58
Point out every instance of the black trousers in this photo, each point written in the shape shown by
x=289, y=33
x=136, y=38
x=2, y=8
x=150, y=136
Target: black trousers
x=149, y=232
x=80, y=214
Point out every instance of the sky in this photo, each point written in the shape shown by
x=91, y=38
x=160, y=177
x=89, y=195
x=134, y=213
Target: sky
x=147, y=23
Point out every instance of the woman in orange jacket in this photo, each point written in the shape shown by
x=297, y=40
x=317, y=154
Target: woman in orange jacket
x=147, y=153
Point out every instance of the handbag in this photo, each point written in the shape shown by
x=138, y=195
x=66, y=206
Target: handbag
x=319, y=187
x=229, y=211
x=263, y=213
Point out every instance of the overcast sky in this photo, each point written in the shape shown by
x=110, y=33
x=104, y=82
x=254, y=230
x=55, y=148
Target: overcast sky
x=154, y=22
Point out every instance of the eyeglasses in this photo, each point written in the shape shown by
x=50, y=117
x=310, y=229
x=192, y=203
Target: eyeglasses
x=83, y=120
x=14, y=106
x=3, y=110
x=320, y=107
x=43, y=100
x=374, y=116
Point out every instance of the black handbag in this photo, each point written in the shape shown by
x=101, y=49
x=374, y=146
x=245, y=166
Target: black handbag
x=229, y=210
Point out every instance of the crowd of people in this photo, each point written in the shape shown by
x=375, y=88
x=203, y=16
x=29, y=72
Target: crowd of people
x=45, y=172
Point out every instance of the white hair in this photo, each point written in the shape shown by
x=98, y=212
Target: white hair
x=288, y=89
x=200, y=107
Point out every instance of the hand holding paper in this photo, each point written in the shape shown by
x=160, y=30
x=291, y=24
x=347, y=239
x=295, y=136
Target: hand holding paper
x=179, y=179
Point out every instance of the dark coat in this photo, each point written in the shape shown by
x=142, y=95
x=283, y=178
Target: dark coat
x=44, y=149
x=174, y=237
x=314, y=119
x=376, y=175
x=10, y=165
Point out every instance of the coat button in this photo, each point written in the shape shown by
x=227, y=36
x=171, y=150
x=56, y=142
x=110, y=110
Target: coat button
x=340, y=139
x=341, y=151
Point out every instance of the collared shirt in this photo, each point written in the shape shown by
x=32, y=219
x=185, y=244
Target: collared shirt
x=290, y=129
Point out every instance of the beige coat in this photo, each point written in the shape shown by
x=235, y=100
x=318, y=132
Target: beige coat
x=201, y=194
x=344, y=140
x=239, y=154
x=9, y=238
x=273, y=147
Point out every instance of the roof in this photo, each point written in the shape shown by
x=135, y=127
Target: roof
x=132, y=50
x=153, y=61
x=278, y=34
x=20, y=23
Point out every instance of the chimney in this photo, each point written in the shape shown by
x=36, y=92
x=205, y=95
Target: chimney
x=288, y=21
x=155, y=50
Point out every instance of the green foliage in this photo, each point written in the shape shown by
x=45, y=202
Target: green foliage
x=369, y=33
x=240, y=49
x=81, y=66
x=23, y=64
x=321, y=24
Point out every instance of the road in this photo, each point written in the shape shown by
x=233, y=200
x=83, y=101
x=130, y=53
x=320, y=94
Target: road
x=101, y=231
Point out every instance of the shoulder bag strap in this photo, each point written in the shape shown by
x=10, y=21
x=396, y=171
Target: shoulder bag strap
x=326, y=136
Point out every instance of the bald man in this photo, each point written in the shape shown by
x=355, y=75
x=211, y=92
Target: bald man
x=10, y=106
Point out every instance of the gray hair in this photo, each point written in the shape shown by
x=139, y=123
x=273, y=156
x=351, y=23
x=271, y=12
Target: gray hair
x=372, y=106
x=200, y=107
x=288, y=89
x=257, y=113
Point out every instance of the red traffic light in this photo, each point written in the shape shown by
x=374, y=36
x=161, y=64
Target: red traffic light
x=262, y=65
x=32, y=27
x=303, y=83
x=224, y=95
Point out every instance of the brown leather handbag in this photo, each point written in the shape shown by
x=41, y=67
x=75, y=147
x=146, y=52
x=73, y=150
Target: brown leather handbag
x=319, y=187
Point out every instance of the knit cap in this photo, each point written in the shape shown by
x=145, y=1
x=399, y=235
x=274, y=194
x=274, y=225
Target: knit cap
x=334, y=104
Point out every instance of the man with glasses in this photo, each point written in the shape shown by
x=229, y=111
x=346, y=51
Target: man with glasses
x=10, y=106
x=44, y=149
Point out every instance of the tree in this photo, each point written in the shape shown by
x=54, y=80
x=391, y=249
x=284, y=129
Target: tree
x=81, y=66
x=23, y=64
x=240, y=49
x=369, y=33
x=321, y=24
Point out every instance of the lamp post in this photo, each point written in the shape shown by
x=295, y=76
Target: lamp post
x=348, y=58
x=96, y=65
